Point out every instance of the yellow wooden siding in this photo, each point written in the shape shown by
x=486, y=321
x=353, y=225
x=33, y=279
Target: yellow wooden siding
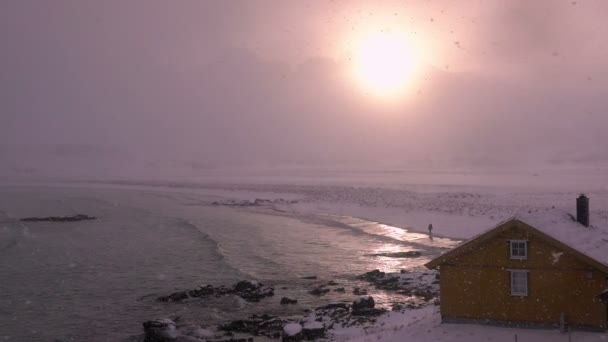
x=476, y=284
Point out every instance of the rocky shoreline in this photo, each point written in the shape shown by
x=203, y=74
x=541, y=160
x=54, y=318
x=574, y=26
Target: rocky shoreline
x=418, y=287
x=251, y=291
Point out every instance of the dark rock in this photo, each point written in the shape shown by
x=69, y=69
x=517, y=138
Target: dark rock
x=248, y=290
x=363, y=304
x=264, y=325
x=340, y=289
x=370, y=312
x=365, y=307
x=313, y=331
x=332, y=283
x=359, y=291
x=310, y=277
x=285, y=301
x=372, y=275
x=258, y=202
x=408, y=254
x=319, y=291
x=427, y=295
x=73, y=218
x=244, y=286
x=333, y=306
x=174, y=297
x=159, y=330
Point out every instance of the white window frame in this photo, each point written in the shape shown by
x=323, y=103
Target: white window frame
x=519, y=280
x=512, y=243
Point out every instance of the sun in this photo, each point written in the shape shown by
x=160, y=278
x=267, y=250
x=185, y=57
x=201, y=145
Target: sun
x=383, y=64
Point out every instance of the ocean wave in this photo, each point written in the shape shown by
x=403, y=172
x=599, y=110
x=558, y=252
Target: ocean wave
x=217, y=249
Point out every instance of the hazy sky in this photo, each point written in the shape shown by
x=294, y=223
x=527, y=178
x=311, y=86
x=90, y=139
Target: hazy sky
x=267, y=82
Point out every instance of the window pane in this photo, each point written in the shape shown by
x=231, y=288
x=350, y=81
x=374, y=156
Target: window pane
x=519, y=249
x=519, y=283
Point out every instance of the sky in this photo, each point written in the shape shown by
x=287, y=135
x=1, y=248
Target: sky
x=107, y=86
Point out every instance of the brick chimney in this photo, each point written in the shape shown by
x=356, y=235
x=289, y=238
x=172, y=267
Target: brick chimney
x=582, y=210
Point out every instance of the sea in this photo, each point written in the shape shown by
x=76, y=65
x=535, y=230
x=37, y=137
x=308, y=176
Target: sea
x=98, y=280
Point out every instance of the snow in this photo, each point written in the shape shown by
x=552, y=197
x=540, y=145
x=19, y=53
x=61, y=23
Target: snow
x=424, y=325
x=292, y=329
x=314, y=325
x=555, y=256
x=591, y=241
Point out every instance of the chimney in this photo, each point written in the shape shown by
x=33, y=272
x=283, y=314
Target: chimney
x=582, y=210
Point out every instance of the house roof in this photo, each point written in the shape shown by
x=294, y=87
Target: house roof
x=556, y=226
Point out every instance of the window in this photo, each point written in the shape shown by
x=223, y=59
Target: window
x=519, y=283
x=519, y=249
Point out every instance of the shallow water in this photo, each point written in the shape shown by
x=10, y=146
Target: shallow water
x=97, y=280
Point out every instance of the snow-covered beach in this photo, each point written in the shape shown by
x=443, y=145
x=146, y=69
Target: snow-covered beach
x=331, y=220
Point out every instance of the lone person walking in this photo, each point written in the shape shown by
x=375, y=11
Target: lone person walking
x=431, y=231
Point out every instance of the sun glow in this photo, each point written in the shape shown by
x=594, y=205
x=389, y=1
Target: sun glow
x=383, y=64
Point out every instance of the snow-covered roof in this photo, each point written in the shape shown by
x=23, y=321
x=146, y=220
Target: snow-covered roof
x=590, y=242
x=558, y=224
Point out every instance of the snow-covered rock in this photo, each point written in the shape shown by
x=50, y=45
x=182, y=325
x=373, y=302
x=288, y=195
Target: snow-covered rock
x=292, y=332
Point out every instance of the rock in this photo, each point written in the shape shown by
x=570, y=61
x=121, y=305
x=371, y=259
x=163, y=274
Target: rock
x=333, y=306
x=245, y=285
x=408, y=254
x=250, y=291
x=365, y=307
x=258, y=202
x=313, y=330
x=285, y=301
x=362, y=306
x=310, y=277
x=73, y=218
x=340, y=289
x=319, y=291
x=201, y=291
x=174, y=297
x=372, y=275
x=332, y=283
x=264, y=325
x=426, y=295
x=363, y=303
x=359, y=291
x=159, y=330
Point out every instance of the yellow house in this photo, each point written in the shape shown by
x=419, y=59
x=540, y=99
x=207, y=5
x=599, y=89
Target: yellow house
x=540, y=269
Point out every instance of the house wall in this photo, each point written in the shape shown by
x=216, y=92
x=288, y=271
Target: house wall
x=476, y=284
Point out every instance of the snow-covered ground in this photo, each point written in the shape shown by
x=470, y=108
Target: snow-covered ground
x=460, y=211
x=424, y=325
